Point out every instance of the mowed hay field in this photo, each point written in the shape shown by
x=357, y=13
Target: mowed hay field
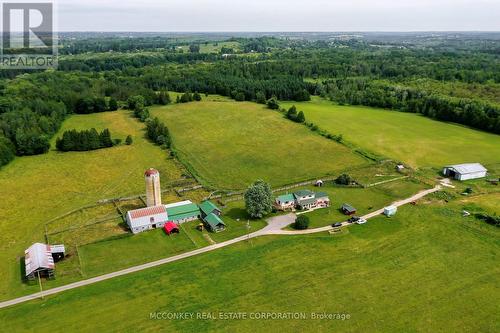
x=230, y=144
x=411, y=138
x=39, y=188
x=426, y=269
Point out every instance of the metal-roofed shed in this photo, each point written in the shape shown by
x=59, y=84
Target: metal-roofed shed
x=465, y=171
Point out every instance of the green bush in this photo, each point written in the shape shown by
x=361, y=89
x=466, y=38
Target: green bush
x=301, y=222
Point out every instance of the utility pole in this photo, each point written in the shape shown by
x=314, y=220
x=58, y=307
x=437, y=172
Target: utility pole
x=248, y=233
x=40, y=283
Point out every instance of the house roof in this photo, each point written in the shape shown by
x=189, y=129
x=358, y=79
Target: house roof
x=306, y=201
x=208, y=207
x=182, y=211
x=286, y=198
x=303, y=193
x=321, y=195
x=467, y=168
x=38, y=256
x=155, y=210
x=214, y=221
x=348, y=207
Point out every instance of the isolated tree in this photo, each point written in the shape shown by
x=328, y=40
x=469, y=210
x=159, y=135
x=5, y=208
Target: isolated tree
x=197, y=97
x=300, y=117
x=343, y=179
x=129, y=140
x=292, y=113
x=259, y=199
x=301, y=222
x=113, y=104
x=273, y=104
x=164, y=98
x=260, y=97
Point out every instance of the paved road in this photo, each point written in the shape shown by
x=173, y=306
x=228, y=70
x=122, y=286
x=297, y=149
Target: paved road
x=273, y=228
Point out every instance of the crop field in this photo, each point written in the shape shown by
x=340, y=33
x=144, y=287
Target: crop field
x=230, y=144
x=425, y=269
x=39, y=188
x=411, y=138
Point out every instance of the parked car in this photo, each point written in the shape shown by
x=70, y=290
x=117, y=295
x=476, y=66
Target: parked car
x=361, y=221
x=353, y=219
x=337, y=225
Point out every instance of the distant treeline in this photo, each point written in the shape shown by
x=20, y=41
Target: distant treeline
x=468, y=112
x=85, y=140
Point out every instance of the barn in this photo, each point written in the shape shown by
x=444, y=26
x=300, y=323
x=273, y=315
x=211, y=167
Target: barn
x=143, y=219
x=38, y=261
x=183, y=211
x=465, y=171
x=348, y=209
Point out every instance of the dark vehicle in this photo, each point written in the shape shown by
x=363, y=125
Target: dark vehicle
x=336, y=225
x=353, y=219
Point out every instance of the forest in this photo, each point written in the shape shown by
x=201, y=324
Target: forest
x=102, y=74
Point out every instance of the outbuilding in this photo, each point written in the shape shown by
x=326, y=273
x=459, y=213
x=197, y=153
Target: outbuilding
x=348, y=209
x=390, y=211
x=38, y=261
x=465, y=171
x=148, y=218
x=171, y=228
x=214, y=223
x=183, y=211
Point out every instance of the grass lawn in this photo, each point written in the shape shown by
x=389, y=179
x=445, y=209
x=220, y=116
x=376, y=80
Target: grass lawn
x=39, y=188
x=426, y=269
x=230, y=144
x=365, y=200
x=411, y=138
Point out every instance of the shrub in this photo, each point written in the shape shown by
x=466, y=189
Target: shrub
x=343, y=179
x=301, y=222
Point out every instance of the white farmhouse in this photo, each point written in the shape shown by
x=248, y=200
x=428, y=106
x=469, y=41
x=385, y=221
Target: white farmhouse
x=465, y=171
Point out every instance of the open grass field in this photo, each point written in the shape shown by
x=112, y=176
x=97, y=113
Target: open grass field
x=230, y=144
x=411, y=138
x=39, y=188
x=426, y=269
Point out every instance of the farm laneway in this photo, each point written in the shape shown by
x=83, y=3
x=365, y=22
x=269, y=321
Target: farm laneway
x=274, y=227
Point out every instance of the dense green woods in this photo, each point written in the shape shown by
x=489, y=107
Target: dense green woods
x=84, y=140
x=92, y=79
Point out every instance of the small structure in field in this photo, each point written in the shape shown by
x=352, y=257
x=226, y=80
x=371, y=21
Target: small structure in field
x=181, y=212
x=348, y=209
x=319, y=183
x=171, y=228
x=58, y=252
x=148, y=218
x=38, y=261
x=390, y=211
x=465, y=171
x=400, y=167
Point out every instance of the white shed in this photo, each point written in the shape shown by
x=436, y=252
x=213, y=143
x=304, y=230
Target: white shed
x=390, y=210
x=465, y=171
x=147, y=218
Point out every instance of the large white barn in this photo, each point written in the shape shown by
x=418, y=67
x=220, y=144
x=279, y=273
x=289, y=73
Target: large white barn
x=465, y=171
x=147, y=218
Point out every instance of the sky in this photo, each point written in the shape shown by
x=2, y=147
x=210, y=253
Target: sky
x=278, y=15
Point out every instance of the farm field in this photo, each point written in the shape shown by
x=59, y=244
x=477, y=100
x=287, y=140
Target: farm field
x=230, y=144
x=426, y=260
x=40, y=188
x=411, y=138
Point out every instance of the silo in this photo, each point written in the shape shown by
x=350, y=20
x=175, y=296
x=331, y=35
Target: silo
x=153, y=190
